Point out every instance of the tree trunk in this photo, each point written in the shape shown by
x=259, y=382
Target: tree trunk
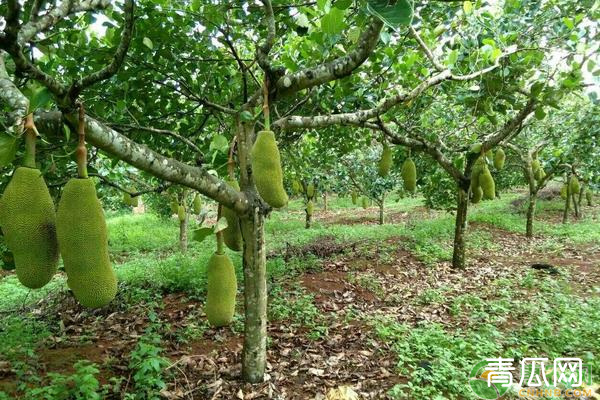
x=254, y=356
x=381, y=208
x=567, y=205
x=324, y=201
x=575, y=205
x=183, y=236
x=531, y=214
x=308, y=223
x=458, y=256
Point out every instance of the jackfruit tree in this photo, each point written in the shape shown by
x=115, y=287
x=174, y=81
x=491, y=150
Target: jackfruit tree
x=173, y=114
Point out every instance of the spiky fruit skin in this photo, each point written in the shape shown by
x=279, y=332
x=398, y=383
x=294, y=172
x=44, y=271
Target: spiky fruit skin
x=499, y=159
x=354, y=198
x=475, y=173
x=134, y=201
x=174, y=207
x=221, y=290
x=574, y=185
x=535, y=165
x=476, y=148
x=126, y=198
x=266, y=169
x=487, y=184
x=83, y=242
x=232, y=235
x=197, y=204
x=181, y=213
x=563, y=191
x=365, y=203
x=310, y=190
x=539, y=174
x=477, y=195
x=28, y=221
x=409, y=175
x=310, y=208
x=296, y=187
x=385, y=163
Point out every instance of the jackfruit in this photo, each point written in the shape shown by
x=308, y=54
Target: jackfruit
x=365, y=203
x=476, y=148
x=266, y=167
x=174, y=206
x=489, y=155
x=574, y=185
x=385, y=163
x=134, y=201
x=28, y=221
x=296, y=187
x=539, y=174
x=475, y=173
x=535, y=165
x=310, y=208
x=409, y=175
x=197, y=204
x=232, y=235
x=310, y=190
x=589, y=196
x=486, y=182
x=476, y=195
x=499, y=159
x=181, y=213
x=563, y=191
x=83, y=242
x=354, y=198
x=221, y=290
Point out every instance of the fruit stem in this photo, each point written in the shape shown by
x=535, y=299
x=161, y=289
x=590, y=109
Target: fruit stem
x=266, y=104
x=81, y=152
x=230, y=160
x=30, y=139
x=219, y=234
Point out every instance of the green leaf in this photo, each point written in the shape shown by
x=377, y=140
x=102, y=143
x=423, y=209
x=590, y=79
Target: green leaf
x=202, y=233
x=395, y=15
x=322, y=4
x=468, y=7
x=220, y=225
x=540, y=113
x=536, y=89
x=452, y=58
x=342, y=4
x=41, y=99
x=219, y=143
x=568, y=23
x=8, y=149
x=246, y=116
x=333, y=22
x=148, y=43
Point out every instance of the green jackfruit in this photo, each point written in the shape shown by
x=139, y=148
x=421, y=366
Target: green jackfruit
x=310, y=190
x=563, y=191
x=477, y=194
x=181, y=213
x=174, y=206
x=83, y=242
x=385, y=163
x=489, y=155
x=197, y=204
x=535, y=165
x=126, y=198
x=365, y=203
x=28, y=221
x=221, y=290
x=296, y=187
x=409, y=175
x=310, y=208
x=266, y=167
x=589, y=196
x=232, y=235
x=475, y=173
x=354, y=198
x=499, y=159
x=476, y=148
x=574, y=185
x=486, y=181
x=539, y=174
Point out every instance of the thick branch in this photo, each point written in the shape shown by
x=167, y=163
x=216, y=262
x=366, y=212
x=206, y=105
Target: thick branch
x=144, y=158
x=510, y=127
x=11, y=95
x=262, y=51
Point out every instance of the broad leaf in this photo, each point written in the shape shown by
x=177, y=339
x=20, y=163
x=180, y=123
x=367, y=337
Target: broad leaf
x=220, y=225
x=333, y=22
x=202, y=233
x=395, y=15
x=8, y=149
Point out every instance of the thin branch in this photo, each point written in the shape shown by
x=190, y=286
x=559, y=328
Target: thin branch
x=426, y=50
x=159, y=131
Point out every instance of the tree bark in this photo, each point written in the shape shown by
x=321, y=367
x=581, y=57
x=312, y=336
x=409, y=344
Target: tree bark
x=254, y=356
x=531, y=214
x=381, y=209
x=308, y=222
x=183, y=236
x=324, y=201
x=458, y=256
x=567, y=204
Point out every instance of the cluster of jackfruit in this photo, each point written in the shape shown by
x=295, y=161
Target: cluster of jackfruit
x=83, y=241
x=221, y=290
x=409, y=175
x=385, y=163
x=28, y=221
x=482, y=182
x=266, y=169
x=232, y=235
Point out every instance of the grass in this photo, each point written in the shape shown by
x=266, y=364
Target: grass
x=553, y=321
